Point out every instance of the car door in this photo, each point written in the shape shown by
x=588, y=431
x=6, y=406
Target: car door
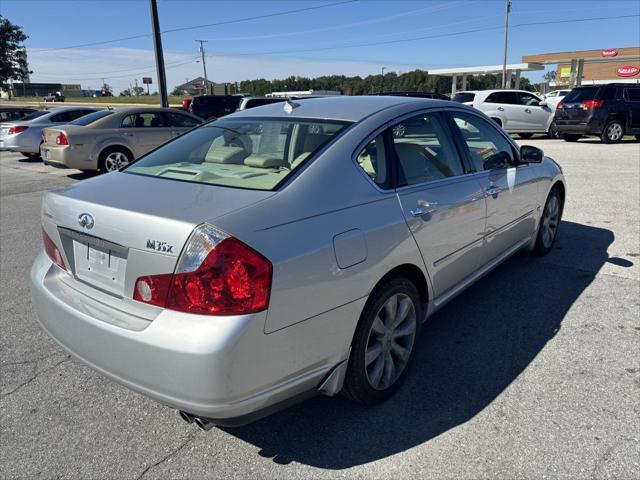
x=504, y=105
x=442, y=204
x=179, y=123
x=510, y=189
x=536, y=118
x=144, y=131
x=632, y=101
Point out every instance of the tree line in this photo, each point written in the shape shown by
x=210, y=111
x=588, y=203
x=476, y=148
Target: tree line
x=415, y=81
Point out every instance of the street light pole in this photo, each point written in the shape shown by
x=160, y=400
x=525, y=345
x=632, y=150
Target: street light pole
x=382, y=81
x=506, y=39
x=157, y=44
x=204, y=66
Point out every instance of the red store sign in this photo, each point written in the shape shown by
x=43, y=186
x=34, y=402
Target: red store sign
x=610, y=52
x=627, y=71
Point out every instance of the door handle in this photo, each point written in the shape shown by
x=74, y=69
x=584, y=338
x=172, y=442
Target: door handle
x=128, y=134
x=424, y=208
x=492, y=190
x=175, y=134
x=528, y=110
x=501, y=109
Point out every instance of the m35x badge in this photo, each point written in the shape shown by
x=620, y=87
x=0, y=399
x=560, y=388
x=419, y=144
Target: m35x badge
x=159, y=246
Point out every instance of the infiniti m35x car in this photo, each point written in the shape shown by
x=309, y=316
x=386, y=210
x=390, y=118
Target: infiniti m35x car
x=286, y=250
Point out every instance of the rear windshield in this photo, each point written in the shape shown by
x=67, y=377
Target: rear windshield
x=581, y=94
x=250, y=153
x=33, y=115
x=90, y=118
x=463, y=97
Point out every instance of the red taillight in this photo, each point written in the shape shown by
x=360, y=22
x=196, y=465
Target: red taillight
x=62, y=139
x=216, y=275
x=592, y=104
x=18, y=129
x=52, y=251
x=560, y=105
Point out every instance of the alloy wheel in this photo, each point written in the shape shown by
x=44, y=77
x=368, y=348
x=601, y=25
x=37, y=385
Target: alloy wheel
x=391, y=341
x=550, y=220
x=614, y=132
x=115, y=161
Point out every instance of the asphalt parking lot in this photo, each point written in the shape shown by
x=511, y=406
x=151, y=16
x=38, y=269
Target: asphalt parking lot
x=533, y=373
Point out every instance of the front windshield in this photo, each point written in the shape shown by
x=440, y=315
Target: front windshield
x=253, y=153
x=91, y=117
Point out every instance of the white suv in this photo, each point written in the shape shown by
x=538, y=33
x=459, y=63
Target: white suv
x=517, y=111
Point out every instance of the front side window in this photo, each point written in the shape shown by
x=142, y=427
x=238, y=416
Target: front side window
x=424, y=151
x=488, y=149
x=247, y=153
x=179, y=120
x=373, y=160
x=528, y=99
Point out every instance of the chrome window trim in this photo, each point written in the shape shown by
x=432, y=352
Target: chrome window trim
x=388, y=125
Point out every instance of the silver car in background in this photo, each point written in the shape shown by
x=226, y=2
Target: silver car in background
x=110, y=139
x=287, y=250
x=25, y=136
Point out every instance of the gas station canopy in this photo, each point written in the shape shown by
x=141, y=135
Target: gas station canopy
x=464, y=72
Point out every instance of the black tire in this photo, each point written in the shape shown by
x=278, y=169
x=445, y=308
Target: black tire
x=571, y=137
x=543, y=245
x=30, y=156
x=105, y=164
x=357, y=386
x=613, y=132
x=498, y=121
x=525, y=136
x=637, y=137
x=553, y=132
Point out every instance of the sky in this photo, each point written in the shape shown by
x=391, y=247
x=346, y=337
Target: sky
x=356, y=37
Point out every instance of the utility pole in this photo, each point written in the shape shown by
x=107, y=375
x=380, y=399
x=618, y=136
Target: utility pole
x=506, y=40
x=204, y=66
x=157, y=44
x=135, y=92
x=382, y=81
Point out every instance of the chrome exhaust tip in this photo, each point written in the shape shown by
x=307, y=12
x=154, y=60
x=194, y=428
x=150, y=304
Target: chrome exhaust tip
x=204, y=424
x=187, y=417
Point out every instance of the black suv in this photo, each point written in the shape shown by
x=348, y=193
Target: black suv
x=211, y=107
x=607, y=111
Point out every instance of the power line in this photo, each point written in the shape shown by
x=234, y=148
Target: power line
x=413, y=39
x=194, y=27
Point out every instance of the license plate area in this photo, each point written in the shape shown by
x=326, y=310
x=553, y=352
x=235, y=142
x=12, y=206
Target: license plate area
x=98, y=262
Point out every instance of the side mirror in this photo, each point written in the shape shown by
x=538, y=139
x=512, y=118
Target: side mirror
x=543, y=103
x=530, y=154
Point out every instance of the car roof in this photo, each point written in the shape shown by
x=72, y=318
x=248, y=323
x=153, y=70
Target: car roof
x=345, y=108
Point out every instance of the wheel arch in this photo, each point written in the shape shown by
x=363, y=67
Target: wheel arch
x=114, y=146
x=414, y=274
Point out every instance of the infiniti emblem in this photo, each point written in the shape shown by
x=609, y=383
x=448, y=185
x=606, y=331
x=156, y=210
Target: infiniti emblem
x=85, y=220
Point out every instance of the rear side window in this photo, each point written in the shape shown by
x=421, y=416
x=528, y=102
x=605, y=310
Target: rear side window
x=33, y=115
x=633, y=94
x=373, y=160
x=463, y=97
x=143, y=120
x=250, y=153
x=424, y=151
x=180, y=121
x=488, y=149
x=581, y=94
x=607, y=93
x=509, y=98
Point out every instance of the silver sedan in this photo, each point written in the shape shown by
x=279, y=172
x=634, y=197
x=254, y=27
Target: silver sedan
x=110, y=139
x=287, y=250
x=25, y=136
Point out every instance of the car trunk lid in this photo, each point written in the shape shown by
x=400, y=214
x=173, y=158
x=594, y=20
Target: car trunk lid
x=118, y=227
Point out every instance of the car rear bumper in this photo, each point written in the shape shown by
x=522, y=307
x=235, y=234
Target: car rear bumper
x=589, y=126
x=213, y=367
x=14, y=143
x=69, y=156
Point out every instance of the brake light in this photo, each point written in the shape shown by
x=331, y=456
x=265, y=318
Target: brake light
x=17, y=129
x=592, y=104
x=560, y=105
x=62, y=139
x=216, y=275
x=52, y=251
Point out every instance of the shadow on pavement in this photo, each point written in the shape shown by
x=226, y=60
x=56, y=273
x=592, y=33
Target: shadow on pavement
x=468, y=354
